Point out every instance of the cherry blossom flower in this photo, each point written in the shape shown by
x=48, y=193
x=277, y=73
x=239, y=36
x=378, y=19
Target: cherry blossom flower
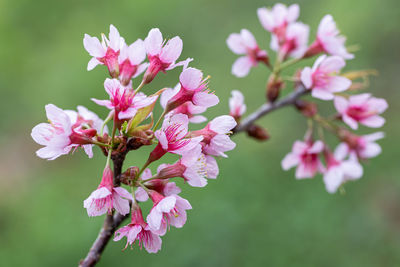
x=215, y=139
x=244, y=43
x=162, y=186
x=294, y=43
x=328, y=40
x=105, y=52
x=85, y=121
x=304, y=155
x=187, y=108
x=167, y=211
x=236, y=104
x=277, y=19
x=106, y=197
x=129, y=60
x=193, y=167
x=364, y=147
x=323, y=77
x=162, y=57
x=123, y=101
x=172, y=137
x=67, y=129
x=139, y=230
x=193, y=89
x=338, y=170
x=361, y=108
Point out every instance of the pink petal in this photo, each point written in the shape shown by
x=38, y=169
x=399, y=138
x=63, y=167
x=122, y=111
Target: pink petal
x=137, y=52
x=306, y=77
x=341, y=104
x=205, y=99
x=235, y=44
x=339, y=84
x=93, y=62
x=172, y=50
x=153, y=42
x=115, y=38
x=322, y=94
x=289, y=161
x=191, y=78
x=241, y=67
x=248, y=39
x=373, y=121
x=222, y=124
x=93, y=46
x=333, y=64
x=350, y=121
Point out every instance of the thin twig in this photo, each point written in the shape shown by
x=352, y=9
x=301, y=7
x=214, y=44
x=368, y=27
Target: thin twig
x=267, y=108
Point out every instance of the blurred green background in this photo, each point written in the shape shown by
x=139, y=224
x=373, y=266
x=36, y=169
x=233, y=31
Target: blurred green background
x=254, y=214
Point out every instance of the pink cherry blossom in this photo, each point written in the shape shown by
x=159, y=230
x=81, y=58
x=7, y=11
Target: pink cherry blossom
x=361, y=108
x=162, y=57
x=172, y=137
x=106, y=197
x=304, y=155
x=277, y=19
x=139, y=230
x=364, y=147
x=67, y=129
x=105, y=52
x=193, y=167
x=323, y=77
x=129, y=60
x=123, y=101
x=216, y=141
x=338, y=170
x=294, y=43
x=162, y=186
x=167, y=211
x=193, y=89
x=244, y=43
x=328, y=40
x=187, y=108
x=236, y=104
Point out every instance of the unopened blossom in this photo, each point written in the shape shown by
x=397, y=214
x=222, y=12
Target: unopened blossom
x=166, y=211
x=215, y=136
x=294, y=43
x=364, y=147
x=65, y=130
x=162, y=186
x=130, y=59
x=323, y=78
x=244, y=43
x=304, y=155
x=277, y=19
x=172, y=137
x=105, y=52
x=138, y=230
x=193, y=89
x=193, y=167
x=236, y=105
x=106, y=197
x=362, y=108
x=123, y=101
x=339, y=170
x=162, y=56
x=187, y=108
x=329, y=40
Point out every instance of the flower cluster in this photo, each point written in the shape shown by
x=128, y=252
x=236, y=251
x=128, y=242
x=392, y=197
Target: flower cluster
x=131, y=112
x=289, y=39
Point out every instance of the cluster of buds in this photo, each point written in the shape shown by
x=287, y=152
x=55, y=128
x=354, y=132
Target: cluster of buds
x=131, y=112
x=289, y=39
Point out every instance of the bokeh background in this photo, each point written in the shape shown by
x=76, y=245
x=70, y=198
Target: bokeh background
x=254, y=214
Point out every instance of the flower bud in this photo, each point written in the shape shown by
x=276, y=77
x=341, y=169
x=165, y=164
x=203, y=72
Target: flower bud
x=308, y=109
x=257, y=132
x=274, y=87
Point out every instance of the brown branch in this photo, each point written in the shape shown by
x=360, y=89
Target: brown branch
x=111, y=223
x=269, y=107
